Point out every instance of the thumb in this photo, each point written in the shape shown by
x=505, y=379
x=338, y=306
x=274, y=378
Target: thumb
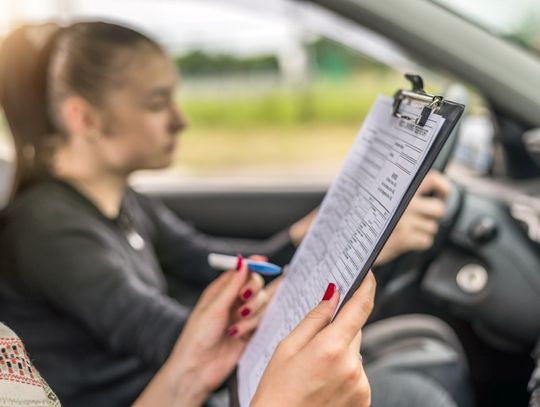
x=228, y=292
x=435, y=182
x=223, y=291
x=258, y=257
x=315, y=321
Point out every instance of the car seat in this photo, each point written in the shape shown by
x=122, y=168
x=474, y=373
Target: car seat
x=415, y=360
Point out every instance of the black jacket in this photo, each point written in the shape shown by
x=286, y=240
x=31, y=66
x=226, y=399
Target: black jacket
x=89, y=298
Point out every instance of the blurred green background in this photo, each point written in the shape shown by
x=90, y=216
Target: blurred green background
x=243, y=112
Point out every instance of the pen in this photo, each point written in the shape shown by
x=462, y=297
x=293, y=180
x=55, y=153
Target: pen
x=224, y=262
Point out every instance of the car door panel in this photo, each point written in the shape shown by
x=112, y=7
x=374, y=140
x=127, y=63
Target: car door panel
x=238, y=212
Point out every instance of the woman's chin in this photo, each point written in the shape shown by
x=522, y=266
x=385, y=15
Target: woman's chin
x=161, y=165
x=157, y=164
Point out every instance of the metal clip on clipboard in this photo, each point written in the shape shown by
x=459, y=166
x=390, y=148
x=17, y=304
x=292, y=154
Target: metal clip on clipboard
x=418, y=94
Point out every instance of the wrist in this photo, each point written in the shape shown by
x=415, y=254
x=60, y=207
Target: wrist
x=185, y=385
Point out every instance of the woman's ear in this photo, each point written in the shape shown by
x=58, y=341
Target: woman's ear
x=81, y=120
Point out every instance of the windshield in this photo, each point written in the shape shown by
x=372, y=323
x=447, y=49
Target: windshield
x=517, y=21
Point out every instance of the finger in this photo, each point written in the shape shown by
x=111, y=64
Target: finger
x=263, y=298
x=441, y=185
x=253, y=306
x=425, y=225
x=355, y=312
x=420, y=241
x=435, y=182
x=245, y=327
x=215, y=287
x=228, y=293
x=258, y=257
x=254, y=284
x=428, y=206
x=316, y=320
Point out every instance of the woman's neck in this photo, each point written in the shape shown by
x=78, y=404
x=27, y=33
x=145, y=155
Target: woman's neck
x=106, y=194
x=104, y=188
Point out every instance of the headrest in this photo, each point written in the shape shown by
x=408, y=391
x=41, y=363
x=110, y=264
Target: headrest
x=6, y=178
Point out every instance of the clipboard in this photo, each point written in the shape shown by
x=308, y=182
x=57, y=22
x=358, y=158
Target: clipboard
x=429, y=105
x=452, y=113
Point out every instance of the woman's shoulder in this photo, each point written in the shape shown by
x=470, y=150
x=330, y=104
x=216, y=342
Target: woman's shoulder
x=44, y=195
x=48, y=203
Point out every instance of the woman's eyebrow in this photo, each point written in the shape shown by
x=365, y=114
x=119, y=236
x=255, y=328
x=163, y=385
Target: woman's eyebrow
x=158, y=92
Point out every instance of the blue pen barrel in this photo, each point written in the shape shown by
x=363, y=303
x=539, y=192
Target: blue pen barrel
x=226, y=262
x=264, y=268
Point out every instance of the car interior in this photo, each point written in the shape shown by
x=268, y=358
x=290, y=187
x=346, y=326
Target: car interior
x=482, y=275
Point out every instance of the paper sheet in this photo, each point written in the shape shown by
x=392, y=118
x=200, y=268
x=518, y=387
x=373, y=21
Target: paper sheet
x=380, y=167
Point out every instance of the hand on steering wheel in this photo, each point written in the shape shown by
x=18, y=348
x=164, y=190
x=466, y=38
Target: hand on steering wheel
x=419, y=224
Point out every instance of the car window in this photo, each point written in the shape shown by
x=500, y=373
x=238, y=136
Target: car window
x=272, y=94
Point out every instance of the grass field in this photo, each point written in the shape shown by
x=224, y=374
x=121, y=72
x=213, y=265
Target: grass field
x=322, y=100
x=211, y=150
x=278, y=128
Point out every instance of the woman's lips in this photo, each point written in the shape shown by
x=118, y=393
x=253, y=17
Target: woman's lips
x=171, y=146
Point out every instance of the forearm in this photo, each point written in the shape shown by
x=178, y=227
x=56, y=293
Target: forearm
x=172, y=386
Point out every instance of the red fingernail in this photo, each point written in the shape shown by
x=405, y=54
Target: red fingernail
x=329, y=292
x=247, y=294
x=239, y=262
x=245, y=312
x=232, y=331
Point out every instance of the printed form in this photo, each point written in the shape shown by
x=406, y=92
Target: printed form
x=382, y=162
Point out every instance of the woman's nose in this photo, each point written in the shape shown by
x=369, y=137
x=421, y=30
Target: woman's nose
x=178, y=120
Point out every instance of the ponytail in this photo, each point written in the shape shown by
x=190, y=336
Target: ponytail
x=24, y=60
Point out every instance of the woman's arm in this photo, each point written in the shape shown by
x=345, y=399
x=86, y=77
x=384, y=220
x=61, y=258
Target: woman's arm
x=84, y=279
x=183, y=250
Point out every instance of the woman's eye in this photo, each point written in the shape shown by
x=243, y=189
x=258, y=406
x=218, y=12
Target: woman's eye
x=157, y=106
